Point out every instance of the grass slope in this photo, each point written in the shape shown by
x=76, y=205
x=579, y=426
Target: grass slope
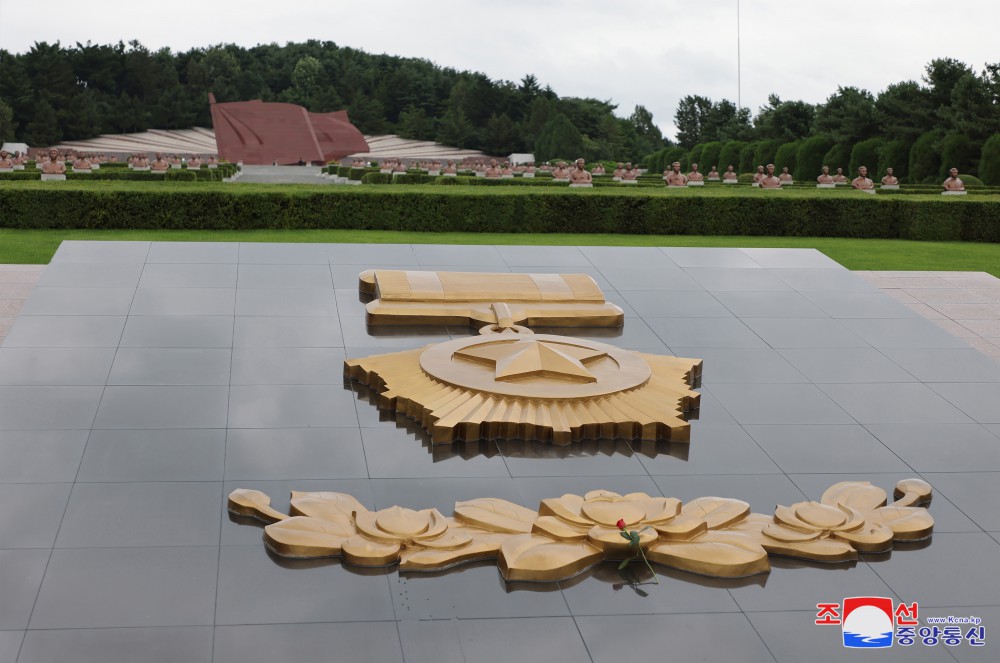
x=37, y=246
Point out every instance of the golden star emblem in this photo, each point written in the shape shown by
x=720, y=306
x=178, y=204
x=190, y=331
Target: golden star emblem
x=529, y=358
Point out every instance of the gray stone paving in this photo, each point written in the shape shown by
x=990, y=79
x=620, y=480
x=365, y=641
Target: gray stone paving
x=143, y=382
x=967, y=304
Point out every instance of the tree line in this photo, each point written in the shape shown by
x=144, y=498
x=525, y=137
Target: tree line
x=951, y=117
x=53, y=93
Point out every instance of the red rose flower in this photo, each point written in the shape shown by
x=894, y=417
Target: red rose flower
x=621, y=524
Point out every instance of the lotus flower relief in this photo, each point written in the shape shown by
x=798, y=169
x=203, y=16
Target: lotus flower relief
x=337, y=525
x=574, y=532
x=710, y=535
x=851, y=517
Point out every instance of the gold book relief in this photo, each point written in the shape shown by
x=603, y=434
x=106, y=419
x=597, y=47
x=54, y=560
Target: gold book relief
x=467, y=298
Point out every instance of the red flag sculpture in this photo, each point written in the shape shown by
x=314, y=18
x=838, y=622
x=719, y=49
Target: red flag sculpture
x=260, y=133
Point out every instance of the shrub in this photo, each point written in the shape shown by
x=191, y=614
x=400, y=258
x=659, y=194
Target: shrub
x=865, y=154
x=747, y=163
x=925, y=156
x=785, y=156
x=673, y=154
x=989, y=161
x=765, y=152
x=20, y=175
x=654, y=160
x=377, y=178
x=957, y=151
x=729, y=155
x=407, y=178
x=695, y=157
x=838, y=156
x=180, y=176
x=710, y=156
x=970, y=180
x=894, y=154
x=809, y=158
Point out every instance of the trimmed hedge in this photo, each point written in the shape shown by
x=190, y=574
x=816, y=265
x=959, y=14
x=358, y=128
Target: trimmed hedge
x=809, y=158
x=517, y=181
x=766, y=152
x=866, y=154
x=673, y=154
x=120, y=175
x=957, y=151
x=838, y=156
x=517, y=211
x=894, y=154
x=989, y=161
x=695, y=157
x=18, y=175
x=747, y=164
x=710, y=156
x=729, y=155
x=786, y=157
x=925, y=157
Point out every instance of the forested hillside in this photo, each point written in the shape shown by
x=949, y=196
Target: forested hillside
x=55, y=92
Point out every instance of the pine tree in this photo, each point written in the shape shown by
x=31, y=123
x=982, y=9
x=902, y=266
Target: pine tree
x=43, y=130
x=559, y=139
x=414, y=124
x=455, y=129
x=500, y=135
x=7, y=126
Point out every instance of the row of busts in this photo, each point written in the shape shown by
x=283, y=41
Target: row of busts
x=53, y=166
x=162, y=163
x=493, y=169
x=11, y=162
x=765, y=178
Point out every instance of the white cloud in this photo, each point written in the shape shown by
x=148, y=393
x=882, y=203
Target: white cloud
x=649, y=52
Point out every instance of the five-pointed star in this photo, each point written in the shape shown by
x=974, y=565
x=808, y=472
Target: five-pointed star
x=528, y=358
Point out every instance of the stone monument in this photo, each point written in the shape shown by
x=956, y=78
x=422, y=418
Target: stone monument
x=953, y=186
x=694, y=178
x=770, y=180
x=862, y=182
x=825, y=180
x=890, y=181
x=579, y=177
x=674, y=177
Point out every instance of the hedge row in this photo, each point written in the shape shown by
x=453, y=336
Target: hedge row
x=178, y=175
x=516, y=211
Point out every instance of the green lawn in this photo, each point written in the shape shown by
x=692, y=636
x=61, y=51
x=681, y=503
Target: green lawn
x=37, y=246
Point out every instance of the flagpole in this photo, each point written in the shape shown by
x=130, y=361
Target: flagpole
x=739, y=70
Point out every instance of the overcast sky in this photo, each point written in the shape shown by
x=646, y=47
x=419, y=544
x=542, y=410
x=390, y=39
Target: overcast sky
x=650, y=52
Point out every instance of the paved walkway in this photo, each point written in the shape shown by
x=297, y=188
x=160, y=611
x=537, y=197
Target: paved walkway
x=16, y=283
x=967, y=304
x=283, y=175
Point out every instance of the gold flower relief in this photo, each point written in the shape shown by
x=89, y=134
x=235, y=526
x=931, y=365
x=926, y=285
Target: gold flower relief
x=711, y=536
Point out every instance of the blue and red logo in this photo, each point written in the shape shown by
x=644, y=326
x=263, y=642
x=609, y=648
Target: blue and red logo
x=868, y=622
